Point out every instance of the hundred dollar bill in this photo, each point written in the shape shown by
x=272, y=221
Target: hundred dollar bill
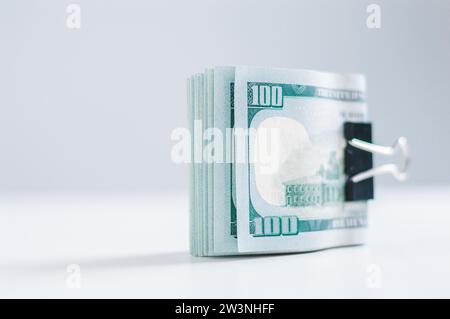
x=293, y=200
x=224, y=215
x=212, y=204
x=282, y=196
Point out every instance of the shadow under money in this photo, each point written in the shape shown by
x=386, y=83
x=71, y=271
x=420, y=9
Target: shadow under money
x=118, y=262
x=163, y=259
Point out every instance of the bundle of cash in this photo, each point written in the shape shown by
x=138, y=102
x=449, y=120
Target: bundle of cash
x=267, y=173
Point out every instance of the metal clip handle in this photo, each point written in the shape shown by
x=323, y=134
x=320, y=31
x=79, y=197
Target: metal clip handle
x=399, y=173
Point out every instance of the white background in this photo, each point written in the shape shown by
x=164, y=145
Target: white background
x=92, y=109
x=86, y=176
x=122, y=249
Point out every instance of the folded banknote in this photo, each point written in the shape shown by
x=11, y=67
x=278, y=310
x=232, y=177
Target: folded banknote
x=267, y=154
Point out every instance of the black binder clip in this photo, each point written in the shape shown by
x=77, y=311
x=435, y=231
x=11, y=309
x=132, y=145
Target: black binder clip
x=359, y=162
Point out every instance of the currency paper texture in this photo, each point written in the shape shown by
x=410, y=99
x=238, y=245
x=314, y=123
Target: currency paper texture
x=277, y=183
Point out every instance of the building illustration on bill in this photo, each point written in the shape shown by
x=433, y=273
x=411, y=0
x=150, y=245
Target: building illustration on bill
x=325, y=187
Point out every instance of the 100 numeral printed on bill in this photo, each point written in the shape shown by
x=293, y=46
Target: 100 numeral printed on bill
x=283, y=190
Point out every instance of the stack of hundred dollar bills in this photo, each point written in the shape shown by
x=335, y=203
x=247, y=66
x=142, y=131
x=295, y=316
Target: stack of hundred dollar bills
x=267, y=153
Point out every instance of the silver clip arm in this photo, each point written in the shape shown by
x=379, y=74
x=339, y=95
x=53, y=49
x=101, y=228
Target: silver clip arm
x=401, y=145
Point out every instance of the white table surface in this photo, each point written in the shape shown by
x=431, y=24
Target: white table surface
x=123, y=249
